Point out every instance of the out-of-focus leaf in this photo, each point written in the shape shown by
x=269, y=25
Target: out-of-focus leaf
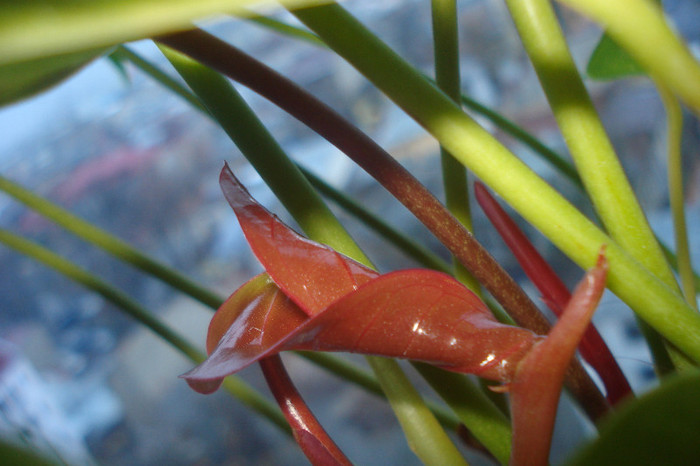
x=660, y=427
x=610, y=61
x=22, y=80
x=41, y=28
x=119, y=61
x=13, y=454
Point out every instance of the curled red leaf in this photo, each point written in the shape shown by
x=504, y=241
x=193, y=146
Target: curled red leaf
x=313, y=298
x=311, y=274
x=415, y=314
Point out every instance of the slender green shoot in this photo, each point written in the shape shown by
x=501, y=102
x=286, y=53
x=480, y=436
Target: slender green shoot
x=640, y=27
x=592, y=151
x=674, y=123
x=485, y=421
x=109, y=243
x=146, y=318
x=527, y=193
x=454, y=175
x=123, y=52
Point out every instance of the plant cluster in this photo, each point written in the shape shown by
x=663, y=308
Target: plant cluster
x=322, y=294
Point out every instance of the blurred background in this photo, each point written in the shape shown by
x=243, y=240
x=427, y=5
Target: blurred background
x=82, y=382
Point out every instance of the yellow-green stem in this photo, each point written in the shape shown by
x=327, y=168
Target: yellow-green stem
x=454, y=175
x=592, y=151
x=639, y=27
x=674, y=123
x=533, y=198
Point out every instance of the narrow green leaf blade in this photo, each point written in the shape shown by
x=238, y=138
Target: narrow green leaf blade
x=22, y=80
x=658, y=428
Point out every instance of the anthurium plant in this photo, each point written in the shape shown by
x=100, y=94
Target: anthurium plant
x=457, y=323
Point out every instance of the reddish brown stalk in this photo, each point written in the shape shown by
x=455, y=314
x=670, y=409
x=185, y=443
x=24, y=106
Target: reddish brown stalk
x=244, y=69
x=318, y=447
x=554, y=293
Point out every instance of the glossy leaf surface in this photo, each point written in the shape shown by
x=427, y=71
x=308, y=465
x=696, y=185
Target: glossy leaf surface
x=311, y=274
x=412, y=314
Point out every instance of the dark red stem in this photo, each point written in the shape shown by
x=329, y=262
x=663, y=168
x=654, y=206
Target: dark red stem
x=244, y=69
x=554, y=293
x=318, y=447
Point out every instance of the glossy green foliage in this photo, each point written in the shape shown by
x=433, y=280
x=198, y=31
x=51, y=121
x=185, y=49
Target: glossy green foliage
x=659, y=428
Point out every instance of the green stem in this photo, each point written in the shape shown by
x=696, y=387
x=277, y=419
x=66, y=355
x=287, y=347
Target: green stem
x=509, y=127
x=287, y=29
x=423, y=431
x=445, y=40
x=640, y=28
x=533, y=198
x=413, y=249
x=484, y=420
x=354, y=374
x=585, y=136
x=425, y=436
x=109, y=243
x=595, y=158
x=234, y=385
x=674, y=122
x=454, y=175
x=156, y=73
x=390, y=174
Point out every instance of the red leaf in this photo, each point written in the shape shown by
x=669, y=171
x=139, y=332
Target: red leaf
x=311, y=274
x=412, y=314
x=323, y=301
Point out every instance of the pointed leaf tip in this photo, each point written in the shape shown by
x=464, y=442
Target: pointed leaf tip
x=537, y=384
x=311, y=274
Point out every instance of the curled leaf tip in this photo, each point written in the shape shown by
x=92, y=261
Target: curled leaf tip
x=203, y=386
x=537, y=384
